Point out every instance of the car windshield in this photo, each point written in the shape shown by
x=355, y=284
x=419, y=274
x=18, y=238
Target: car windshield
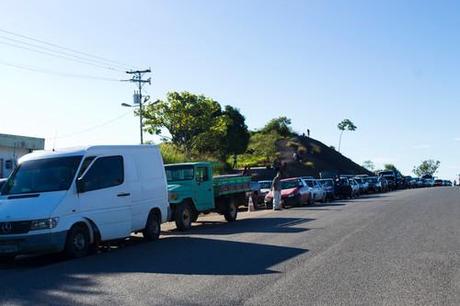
x=43, y=175
x=290, y=184
x=372, y=180
x=265, y=184
x=179, y=173
x=327, y=183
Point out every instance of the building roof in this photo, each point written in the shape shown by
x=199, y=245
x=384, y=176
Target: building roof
x=22, y=142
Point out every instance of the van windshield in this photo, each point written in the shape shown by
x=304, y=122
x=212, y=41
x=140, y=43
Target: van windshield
x=179, y=173
x=42, y=175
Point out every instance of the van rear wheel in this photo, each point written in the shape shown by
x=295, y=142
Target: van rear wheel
x=152, y=229
x=78, y=241
x=183, y=217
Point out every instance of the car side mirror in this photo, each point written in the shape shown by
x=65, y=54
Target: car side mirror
x=81, y=185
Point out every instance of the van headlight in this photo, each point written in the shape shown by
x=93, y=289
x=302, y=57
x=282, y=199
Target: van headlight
x=44, y=224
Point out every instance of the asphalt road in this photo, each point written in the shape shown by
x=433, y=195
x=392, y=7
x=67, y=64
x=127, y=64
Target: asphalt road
x=401, y=248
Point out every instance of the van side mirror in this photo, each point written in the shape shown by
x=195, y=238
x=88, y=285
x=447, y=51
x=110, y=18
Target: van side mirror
x=81, y=185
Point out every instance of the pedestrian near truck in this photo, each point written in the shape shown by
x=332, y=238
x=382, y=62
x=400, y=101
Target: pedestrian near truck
x=276, y=189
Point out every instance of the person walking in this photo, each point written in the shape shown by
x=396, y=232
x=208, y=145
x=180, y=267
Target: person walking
x=276, y=189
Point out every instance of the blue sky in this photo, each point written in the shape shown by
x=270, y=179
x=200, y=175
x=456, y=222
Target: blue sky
x=390, y=66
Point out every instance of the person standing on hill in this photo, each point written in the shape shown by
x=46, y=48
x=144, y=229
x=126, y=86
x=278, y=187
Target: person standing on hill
x=276, y=189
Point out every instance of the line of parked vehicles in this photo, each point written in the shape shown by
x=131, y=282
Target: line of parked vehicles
x=74, y=200
x=299, y=191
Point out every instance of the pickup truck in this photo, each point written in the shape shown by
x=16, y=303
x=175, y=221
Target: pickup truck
x=193, y=190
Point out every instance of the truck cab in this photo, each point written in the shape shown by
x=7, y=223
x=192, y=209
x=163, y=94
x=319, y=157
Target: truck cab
x=193, y=190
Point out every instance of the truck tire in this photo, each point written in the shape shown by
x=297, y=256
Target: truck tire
x=152, y=228
x=231, y=211
x=183, y=217
x=78, y=241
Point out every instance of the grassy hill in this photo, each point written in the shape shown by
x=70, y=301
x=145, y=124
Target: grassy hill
x=314, y=158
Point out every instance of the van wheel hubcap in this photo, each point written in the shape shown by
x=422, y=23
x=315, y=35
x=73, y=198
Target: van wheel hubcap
x=79, y=241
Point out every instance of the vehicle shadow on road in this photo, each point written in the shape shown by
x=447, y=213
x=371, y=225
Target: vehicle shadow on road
x=258, y=225
x=168, y=256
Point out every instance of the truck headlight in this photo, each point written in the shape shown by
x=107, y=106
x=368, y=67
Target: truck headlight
x=172, y=196
x=44, y=224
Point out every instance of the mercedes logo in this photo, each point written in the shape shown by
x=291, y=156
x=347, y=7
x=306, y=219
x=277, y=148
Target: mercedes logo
x=6, y=227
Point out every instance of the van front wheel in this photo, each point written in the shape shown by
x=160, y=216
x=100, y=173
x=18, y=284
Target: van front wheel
x=152, y=228
x=78, y=241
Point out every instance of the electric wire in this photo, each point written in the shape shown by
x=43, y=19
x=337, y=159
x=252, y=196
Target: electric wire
x=57, y=73
x=64, y=48
x=58, y=56
x=61, y=53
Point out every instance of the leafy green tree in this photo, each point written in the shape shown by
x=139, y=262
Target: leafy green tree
x=428, y=166
x=280, y=125
x=236, y=138
x=369, y=165
x=345, y=125
x=390, y=167
x=195, y=122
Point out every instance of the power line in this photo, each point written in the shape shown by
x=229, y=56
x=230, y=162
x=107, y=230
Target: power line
x=64, y=48
x=92, y=127
x=57, y=73
x=61, y=53
x=58, y=56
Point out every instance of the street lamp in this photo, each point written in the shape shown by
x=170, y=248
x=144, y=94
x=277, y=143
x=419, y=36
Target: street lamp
x=141, y=124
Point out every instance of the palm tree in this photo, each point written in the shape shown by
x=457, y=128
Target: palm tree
x=346, y=124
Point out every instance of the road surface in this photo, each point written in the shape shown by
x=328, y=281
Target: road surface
x=401, y=248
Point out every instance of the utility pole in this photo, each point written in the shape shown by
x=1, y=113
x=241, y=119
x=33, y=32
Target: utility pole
x=137, y=78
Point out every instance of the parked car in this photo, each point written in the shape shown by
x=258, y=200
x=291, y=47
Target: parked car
x=294, y=192
x=363, y=185
x=69, y=200
x=265, y=187
x=373, y=184
x=318, y=194
x=329, y=187
x=194, y=190
x=438, y=183
x=343, y=188
x=355, y=188
x=384, y=184
x=448, y=183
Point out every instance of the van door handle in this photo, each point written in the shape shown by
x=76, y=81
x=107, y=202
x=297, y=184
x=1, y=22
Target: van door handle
x=123, y=194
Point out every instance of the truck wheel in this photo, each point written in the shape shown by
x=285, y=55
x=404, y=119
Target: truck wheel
x=195, y=216
x=183, y=217
x=78, y=241
x=231, y=212
x=152, y=229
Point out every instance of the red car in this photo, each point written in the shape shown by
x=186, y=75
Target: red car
x=294, y=192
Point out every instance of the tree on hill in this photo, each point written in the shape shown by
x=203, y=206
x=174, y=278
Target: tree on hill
x=196, y=124
x=280, y=125
x=427, y=167
x=369, y=165
x=390, y=167
x=345, y=125
x=236, y=138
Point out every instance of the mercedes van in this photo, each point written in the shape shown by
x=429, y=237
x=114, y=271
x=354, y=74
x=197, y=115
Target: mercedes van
x=70, y=200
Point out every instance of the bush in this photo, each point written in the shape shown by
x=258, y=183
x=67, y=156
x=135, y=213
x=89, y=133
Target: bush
x=171, y=154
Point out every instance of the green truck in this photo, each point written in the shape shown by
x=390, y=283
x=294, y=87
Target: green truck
x=193, y=190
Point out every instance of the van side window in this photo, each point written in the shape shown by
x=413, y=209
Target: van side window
x=106, y=172
x=202, y=174
x=85, y=165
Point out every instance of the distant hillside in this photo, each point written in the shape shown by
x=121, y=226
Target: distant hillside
x=314, y=158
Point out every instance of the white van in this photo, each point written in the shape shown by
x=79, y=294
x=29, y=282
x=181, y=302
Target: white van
x=72, y=199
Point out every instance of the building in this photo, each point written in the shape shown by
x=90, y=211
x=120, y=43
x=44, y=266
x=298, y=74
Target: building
x=13, y=147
